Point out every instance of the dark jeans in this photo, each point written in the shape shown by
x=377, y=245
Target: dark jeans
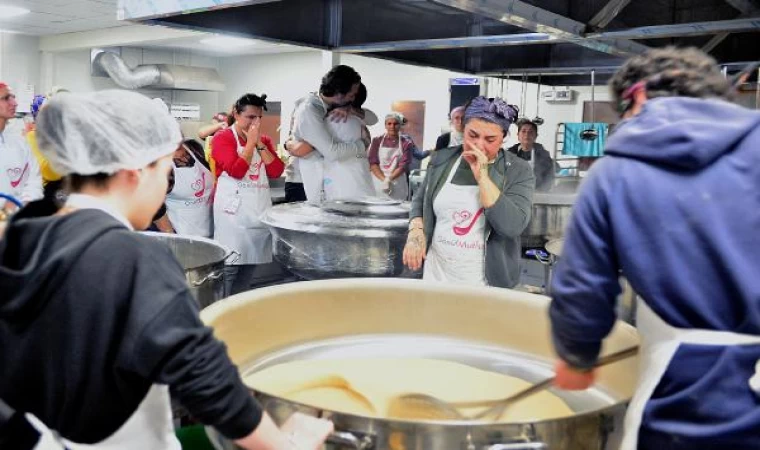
x=294, y=193
x=238, y=278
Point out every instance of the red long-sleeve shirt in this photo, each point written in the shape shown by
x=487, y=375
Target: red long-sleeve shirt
x=224, y=150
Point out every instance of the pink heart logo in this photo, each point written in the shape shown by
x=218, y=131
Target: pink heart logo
x=465, y=229
x=388, y=164
x=16, y=174
x=256, y=170
x=199, y=186
x=462, y=216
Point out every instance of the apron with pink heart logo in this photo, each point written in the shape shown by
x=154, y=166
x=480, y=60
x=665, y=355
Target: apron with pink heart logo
x=239, y=206
x=19, y=172
x=457, y=251
x=390, y=157
x=14, y=175
x=189, y=203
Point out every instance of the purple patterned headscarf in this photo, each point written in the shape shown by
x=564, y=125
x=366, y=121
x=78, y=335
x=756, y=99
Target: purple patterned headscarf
x=493, y=110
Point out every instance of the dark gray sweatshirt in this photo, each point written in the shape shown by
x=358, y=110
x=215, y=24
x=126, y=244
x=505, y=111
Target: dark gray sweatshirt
x=92, y=315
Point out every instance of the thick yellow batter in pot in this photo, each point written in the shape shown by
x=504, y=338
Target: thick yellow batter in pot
x=365, y=386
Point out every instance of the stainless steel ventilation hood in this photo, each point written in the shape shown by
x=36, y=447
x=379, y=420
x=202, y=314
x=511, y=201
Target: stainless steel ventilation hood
x=492, y=36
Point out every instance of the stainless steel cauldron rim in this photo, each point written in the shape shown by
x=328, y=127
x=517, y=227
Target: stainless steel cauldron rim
x=368, y=207
x=212, y=312
x=283, y=217
x=267, y=399
x=227, y=252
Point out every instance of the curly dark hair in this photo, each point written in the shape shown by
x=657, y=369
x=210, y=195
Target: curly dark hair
x=671, y=72
x=339, y=80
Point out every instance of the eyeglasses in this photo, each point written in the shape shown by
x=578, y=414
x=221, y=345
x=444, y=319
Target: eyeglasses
x=7, y=97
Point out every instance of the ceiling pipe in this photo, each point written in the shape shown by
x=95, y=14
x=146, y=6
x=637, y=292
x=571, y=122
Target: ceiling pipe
x=564, y=71
x=504, y=40
x=682, y=29
x=529, y=17
x=607, y=13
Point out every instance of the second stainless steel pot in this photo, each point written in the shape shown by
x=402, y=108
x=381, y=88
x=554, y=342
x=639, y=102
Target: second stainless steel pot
x=203, y=262
x=341, y=239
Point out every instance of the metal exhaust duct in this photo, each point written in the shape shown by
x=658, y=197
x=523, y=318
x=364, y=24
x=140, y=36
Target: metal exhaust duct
x=158, y=76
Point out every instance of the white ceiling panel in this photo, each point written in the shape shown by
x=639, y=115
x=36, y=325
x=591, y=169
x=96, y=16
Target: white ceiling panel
x=54, y=17
x=62, y=16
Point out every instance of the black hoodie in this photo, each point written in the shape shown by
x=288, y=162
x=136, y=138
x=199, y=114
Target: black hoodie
x=91, y=315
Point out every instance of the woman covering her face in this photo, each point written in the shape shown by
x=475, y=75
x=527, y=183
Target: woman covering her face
x=472, y=206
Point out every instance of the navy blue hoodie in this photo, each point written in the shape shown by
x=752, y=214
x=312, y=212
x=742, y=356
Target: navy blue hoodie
x=675, y=207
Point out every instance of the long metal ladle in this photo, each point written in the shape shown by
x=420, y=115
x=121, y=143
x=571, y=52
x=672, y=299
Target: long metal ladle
x=422, y=406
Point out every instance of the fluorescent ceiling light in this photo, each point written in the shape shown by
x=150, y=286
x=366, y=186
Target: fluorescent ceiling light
x=230, y=42
x=8, y=11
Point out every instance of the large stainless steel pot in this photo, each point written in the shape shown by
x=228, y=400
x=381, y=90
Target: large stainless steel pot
x=550, y=215
x=490, y=328
x=341, y=239
x=203, y=262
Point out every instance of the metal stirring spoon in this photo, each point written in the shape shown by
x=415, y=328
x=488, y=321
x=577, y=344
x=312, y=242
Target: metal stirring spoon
x=422, y=406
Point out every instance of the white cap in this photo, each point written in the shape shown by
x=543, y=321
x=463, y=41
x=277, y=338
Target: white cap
x=104, y=132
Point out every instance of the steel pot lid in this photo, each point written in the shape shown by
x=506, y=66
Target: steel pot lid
x=368, y=207
x=313, y=219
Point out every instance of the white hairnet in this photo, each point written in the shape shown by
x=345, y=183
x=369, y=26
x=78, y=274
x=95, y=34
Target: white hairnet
x=396, y=115
x=104, y=132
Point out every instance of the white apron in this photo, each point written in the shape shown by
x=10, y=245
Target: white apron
x=457, y=252
x=188, y=205
x=18, y=168
x=390, y=157
x=149, y=428
x=659, y=342
x=238, y=208
x=349, y=178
